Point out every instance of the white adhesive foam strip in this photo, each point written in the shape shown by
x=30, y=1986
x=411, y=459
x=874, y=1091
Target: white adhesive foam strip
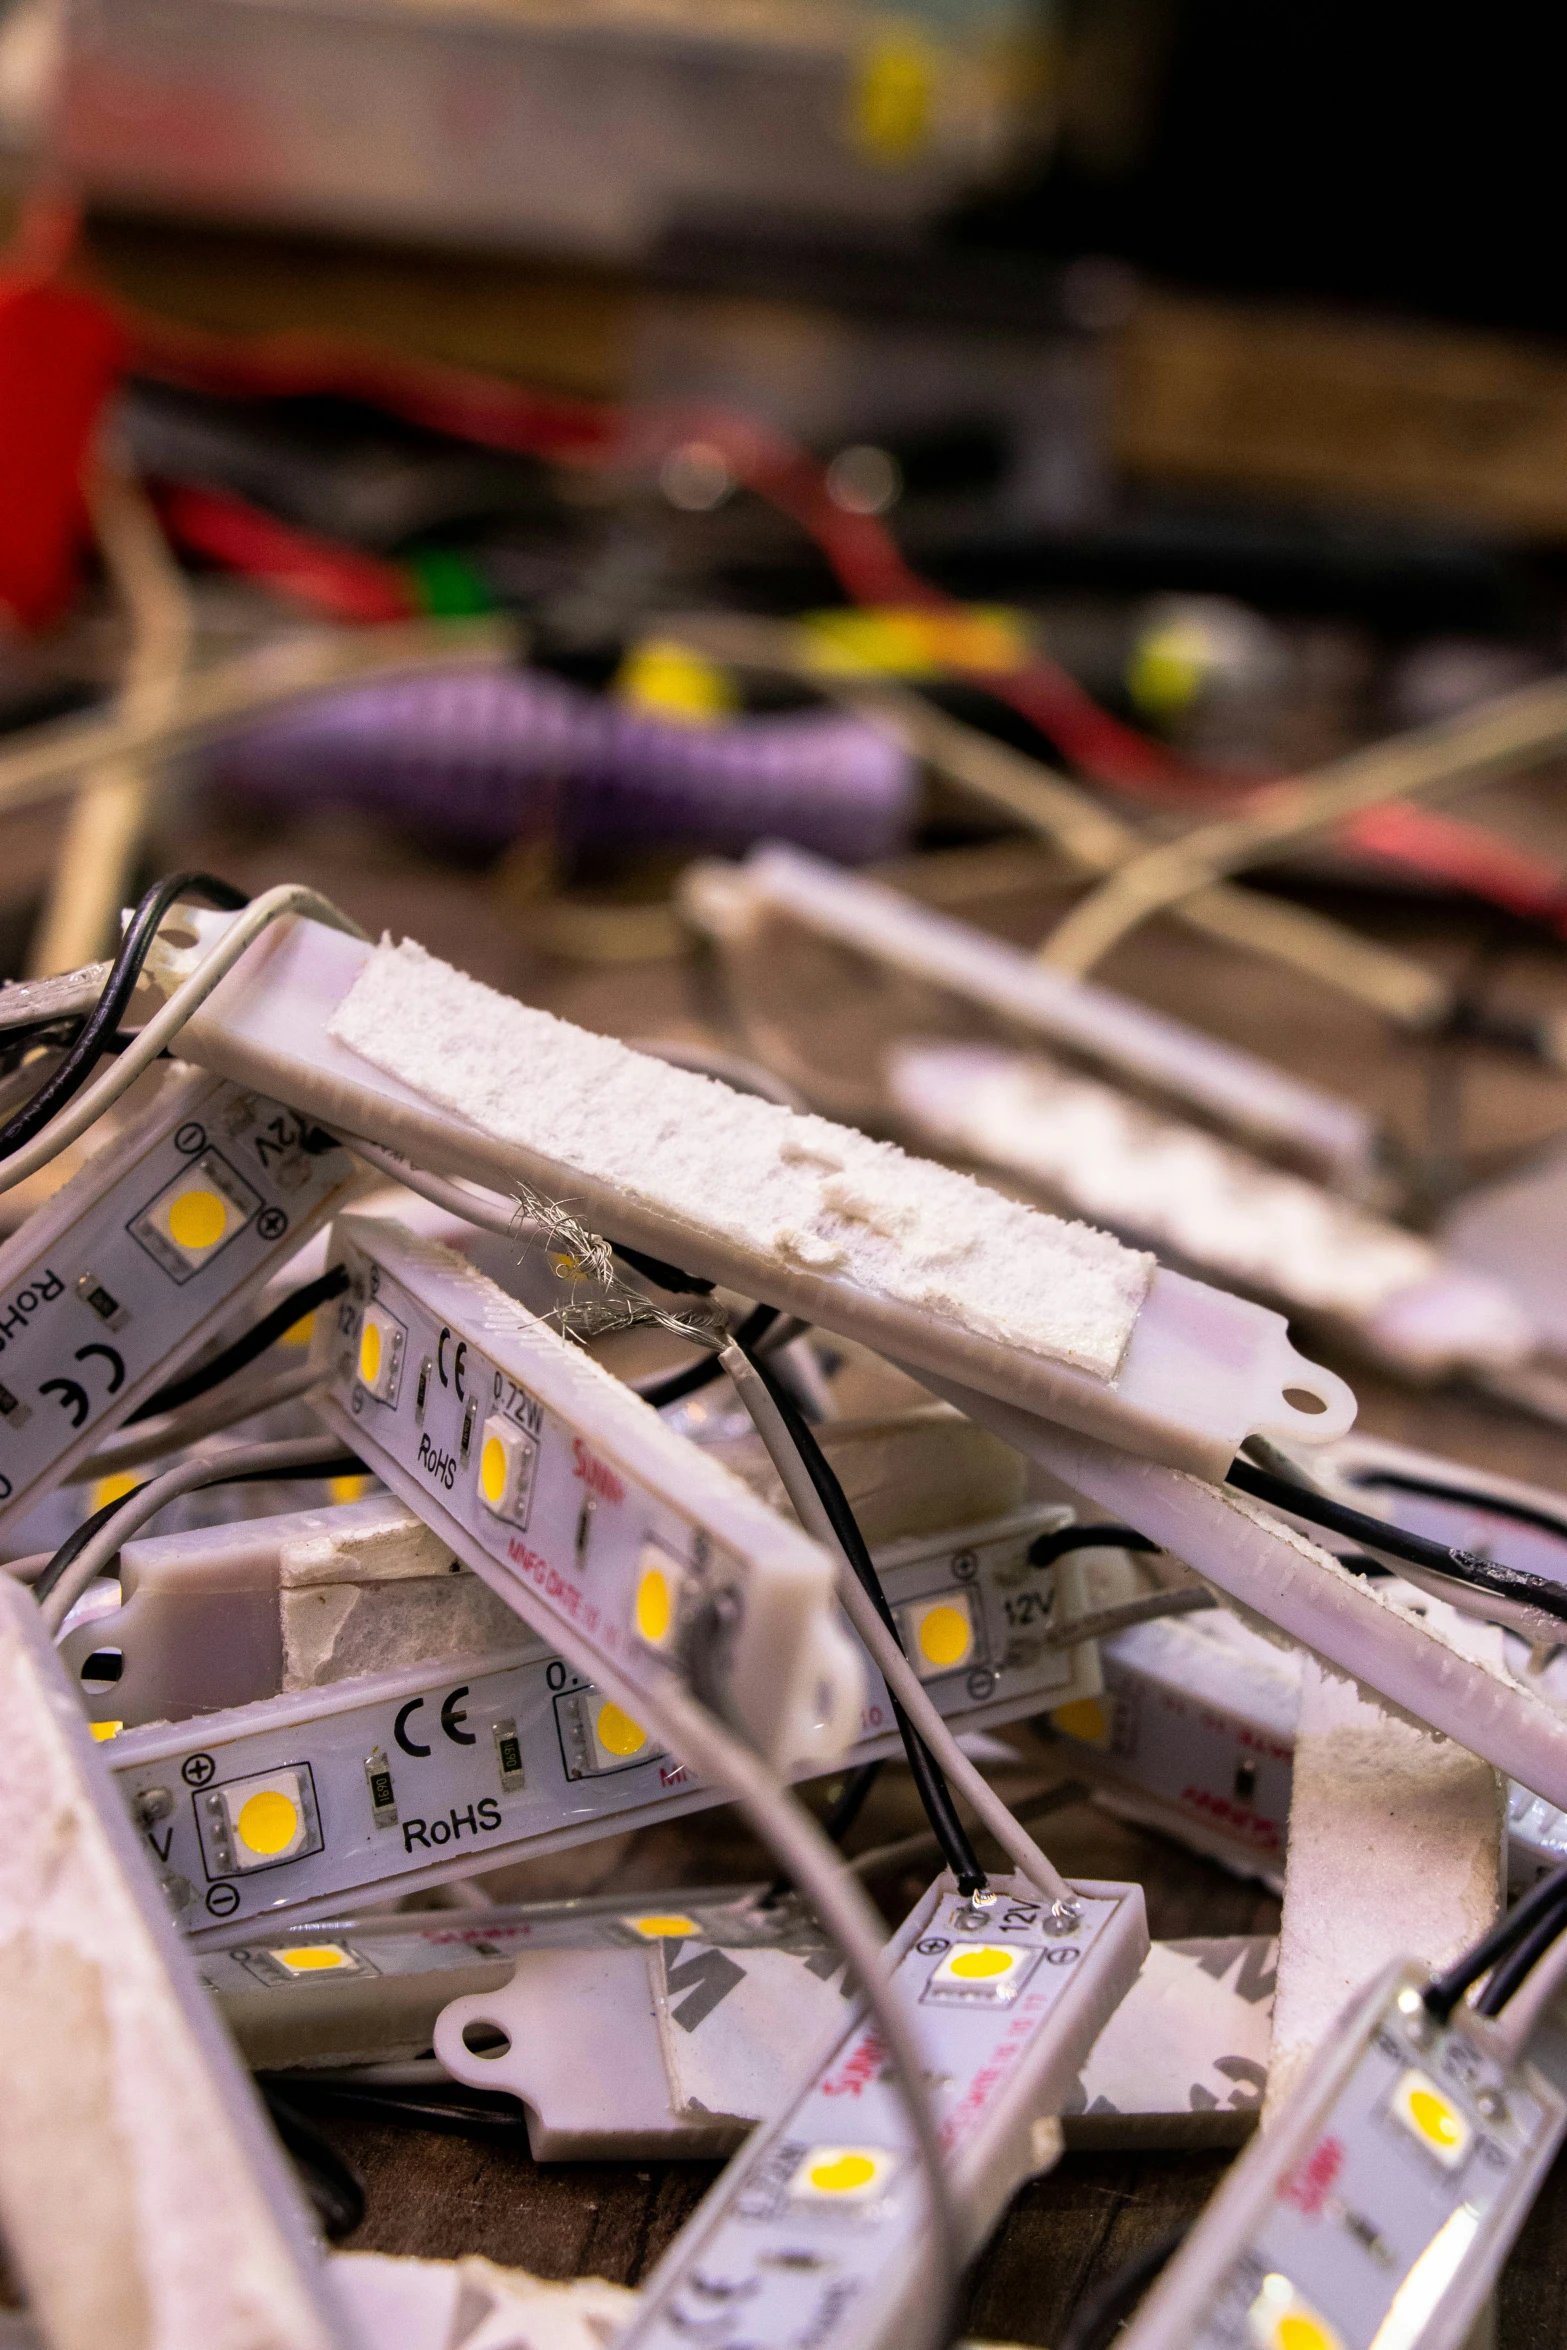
x=910, y=1257
x=1217, y=1208
x=1396, y=1851
x=772, y=1180
x=1183, y=1064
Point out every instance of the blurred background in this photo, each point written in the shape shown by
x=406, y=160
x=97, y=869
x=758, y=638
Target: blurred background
x=505, y=462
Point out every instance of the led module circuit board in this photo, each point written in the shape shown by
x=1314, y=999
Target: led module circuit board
x=408, y=1778
x=609, y=1533
x=123, y=1275
x=1378, y=2208
x=816, y=2232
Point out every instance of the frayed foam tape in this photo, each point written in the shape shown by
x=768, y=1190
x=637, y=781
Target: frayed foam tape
x=912, y=1259
x=784, y=1184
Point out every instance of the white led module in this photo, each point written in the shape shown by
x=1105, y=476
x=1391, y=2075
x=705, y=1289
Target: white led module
x=1376, y=2208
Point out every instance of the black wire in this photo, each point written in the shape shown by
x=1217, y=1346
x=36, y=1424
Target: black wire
x=1097, y=2320
x=851, y=1802
x=683, y=1383
x=929, y=1779
x=1522, y=1961
x=1522, y=1513
x=1445, y=1990
x=1044, y=1551
x=1460, y=1566
x=336, y=2191
x=449, y=2109
x=665, y=1276
x=255, y=1341
x=841, y=1818
x=344, y=1465
x=104, y=1018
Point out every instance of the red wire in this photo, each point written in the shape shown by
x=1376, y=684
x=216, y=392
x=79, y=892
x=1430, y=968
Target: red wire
x=860, y=550
x=1444, y=848
x=332, y=578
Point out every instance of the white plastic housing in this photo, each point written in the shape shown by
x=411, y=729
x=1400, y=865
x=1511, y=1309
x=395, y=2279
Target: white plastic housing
x=1265, y=1565
x=1200, y=1371
x=102, y=1299
x=589, y=1476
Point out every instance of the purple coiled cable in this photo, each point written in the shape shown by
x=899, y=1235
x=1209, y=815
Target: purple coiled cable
x=488, y=756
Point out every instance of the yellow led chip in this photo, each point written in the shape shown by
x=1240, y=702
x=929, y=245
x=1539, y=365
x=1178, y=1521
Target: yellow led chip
x=381, y=1344
x=196, y=1215
x=843, y=2175
x=672, y=1928
x=1279, y=2319
x=985, y=1973
x=255, y=1823
x=506, y=1458
x=1087, y=1719
x=617, y=1737
x=304, y=1962
x=1432, y=2117
x=597, y=1735
x=939, y=1633
x=661, y=1583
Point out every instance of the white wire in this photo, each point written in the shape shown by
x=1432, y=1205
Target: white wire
x=888, y=1657
x=149, y=1440
x=1524, y=2012
x=90, y=1104
x=283, y=1459
x=485, y=1208
x=817, y=1869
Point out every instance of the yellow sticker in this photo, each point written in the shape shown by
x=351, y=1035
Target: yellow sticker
x=888, y=640
x=670, y=681
x=893, y=92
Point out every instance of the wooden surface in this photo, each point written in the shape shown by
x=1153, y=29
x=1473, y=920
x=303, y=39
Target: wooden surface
x=1064, y=2233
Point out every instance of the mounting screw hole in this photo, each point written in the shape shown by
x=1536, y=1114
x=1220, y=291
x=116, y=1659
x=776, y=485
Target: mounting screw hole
x=1301, y=1399
x=485, y=2039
